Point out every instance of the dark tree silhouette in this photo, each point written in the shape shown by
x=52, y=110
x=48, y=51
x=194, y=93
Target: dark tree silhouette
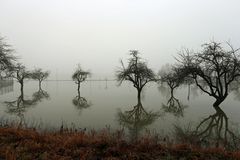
x=7, y=59
x=40, y=75
x=137, y=72
x=20, y=73
x=80, y=76
x=172, y=76
x=213, y=70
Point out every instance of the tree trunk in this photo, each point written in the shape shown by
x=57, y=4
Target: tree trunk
x=172, y=92
x=21, y=82
x=218, y=102
x=188, y=92
x=78, y=89
x=40, y=85
x=139, y=96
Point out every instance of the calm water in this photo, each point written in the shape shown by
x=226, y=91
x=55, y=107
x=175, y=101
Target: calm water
x=102, y=102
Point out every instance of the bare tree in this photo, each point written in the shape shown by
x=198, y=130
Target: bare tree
x=80, y=76
x=7, y=59
x=40, y=75
x=20, y=73
x=137, y=72
x=172, y=76
x=213, y=70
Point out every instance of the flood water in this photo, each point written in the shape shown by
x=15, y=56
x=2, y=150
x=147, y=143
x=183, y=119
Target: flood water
x=104, y=103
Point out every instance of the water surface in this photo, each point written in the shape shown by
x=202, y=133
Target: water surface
x=101, y=102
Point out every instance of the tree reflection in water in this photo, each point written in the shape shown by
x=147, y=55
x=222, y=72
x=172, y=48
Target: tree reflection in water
x=216, y=128
x=40, y=95
x=213, y=130
x=80, y=103
x=21, y=105
x=173, y=106
x=136, y=120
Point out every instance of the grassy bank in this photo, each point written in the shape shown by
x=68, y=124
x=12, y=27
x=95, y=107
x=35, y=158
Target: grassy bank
x=22, y=143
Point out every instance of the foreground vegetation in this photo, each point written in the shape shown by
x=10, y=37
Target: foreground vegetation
x=23, y=143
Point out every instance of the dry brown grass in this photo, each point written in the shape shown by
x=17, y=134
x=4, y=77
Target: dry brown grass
x=29, y=144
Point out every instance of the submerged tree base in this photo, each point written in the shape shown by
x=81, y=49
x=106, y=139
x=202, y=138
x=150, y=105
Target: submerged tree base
x=22, y=143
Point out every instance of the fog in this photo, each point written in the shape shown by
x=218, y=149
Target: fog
x=56, y=35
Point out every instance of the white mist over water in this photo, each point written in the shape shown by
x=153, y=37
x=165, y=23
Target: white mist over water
x=56, y=35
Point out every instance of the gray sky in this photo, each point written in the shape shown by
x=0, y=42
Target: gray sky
x=58, y=34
